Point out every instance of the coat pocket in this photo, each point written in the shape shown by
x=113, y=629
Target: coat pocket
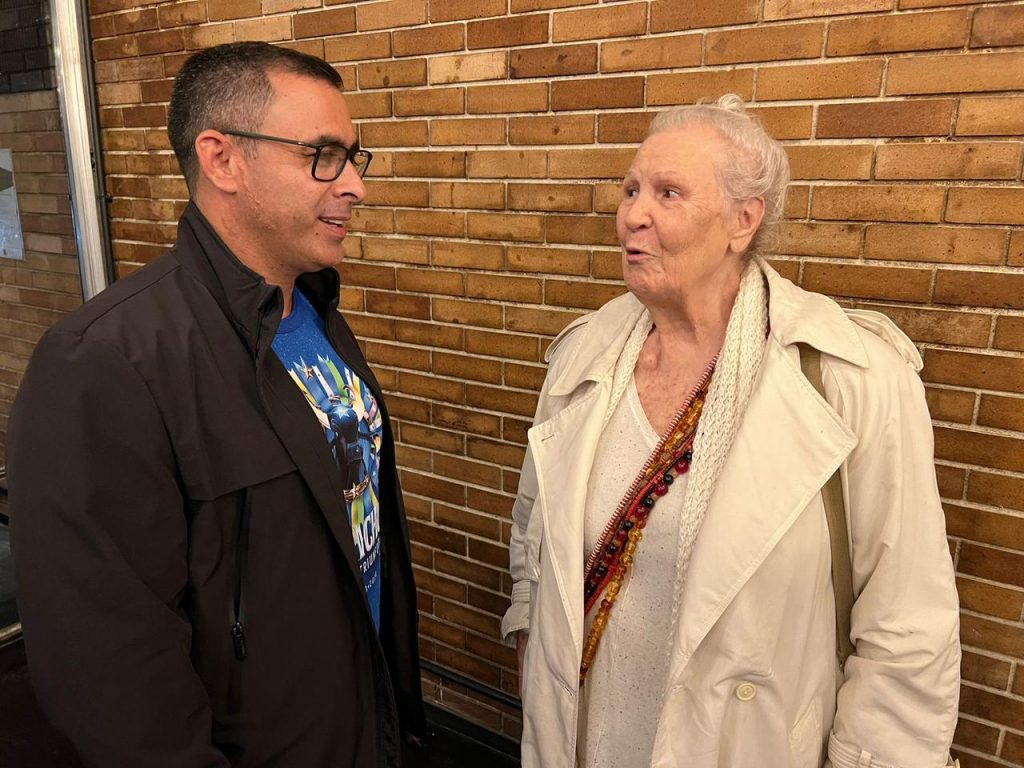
x=806, y=741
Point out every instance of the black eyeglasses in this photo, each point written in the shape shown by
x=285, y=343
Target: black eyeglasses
x=330, y=158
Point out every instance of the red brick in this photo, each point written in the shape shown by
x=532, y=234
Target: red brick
x=432, y=39
x=452, y=10
x=769, y=43
x=995, y=26
x=606, y=21
x=994, y=673
x=508, y=32
x=1009, y=333
x=985, y=527
x=878, y=203
x=498, y=99
x=820, y=81
x=983, y=450
x=972, y=369
x=467, y=255
x=983, y=289
x=885, y=34
x=666, y=17
x=965, y=329
x=467, y=67
x=507, y=164
x=506, y=226
x=1001, y=412
x=818, y=239
x=393, y=133
x=603, y=93
x=390, y=14
x=929, y=117
x=475, y=131
x=948, y=161
x=655, y=53
x=467, y=194
x=561, y=129
x=951, y=405
x=582, y=230
x=981, y=205
x=323, y=23
x=554, y=61
x=688, y=87
x=590, y=163
x=560, y=261
x=956, y=73
x=791, y=9
x=218, y=10
x=855, y=280
x=581, y=295
x=830, y=161
x=503, y=344
x=392, y=74
x=549, y=197
x=995, y=116
x=946, y=245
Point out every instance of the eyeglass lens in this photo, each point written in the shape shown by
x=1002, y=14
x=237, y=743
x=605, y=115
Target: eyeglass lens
x=330, y=162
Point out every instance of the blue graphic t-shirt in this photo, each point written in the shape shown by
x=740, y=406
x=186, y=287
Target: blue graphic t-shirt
x=348, y=412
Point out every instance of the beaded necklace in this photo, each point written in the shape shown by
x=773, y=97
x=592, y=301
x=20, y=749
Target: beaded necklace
x=612, y=557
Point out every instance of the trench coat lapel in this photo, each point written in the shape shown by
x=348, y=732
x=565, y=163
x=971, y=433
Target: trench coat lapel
x=789, y=443
x=565, y=445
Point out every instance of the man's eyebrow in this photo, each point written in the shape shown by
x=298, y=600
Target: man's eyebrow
x=324, y=138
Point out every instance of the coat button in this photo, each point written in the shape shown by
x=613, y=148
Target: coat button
x=745, y=691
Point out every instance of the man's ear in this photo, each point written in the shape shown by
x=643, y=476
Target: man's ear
x=219, y=160
x=746, y=219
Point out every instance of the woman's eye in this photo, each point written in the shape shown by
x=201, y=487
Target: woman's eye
x=670, y=194
x=629, y=192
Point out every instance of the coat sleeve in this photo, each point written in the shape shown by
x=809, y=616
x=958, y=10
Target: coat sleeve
x=100, y=542
x=525, y=543
x=898, y=705
x=524, y=546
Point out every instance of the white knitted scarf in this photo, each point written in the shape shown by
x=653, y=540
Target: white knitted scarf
x=731, y=385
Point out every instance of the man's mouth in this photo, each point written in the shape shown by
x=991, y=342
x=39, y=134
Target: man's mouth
x=336, y=224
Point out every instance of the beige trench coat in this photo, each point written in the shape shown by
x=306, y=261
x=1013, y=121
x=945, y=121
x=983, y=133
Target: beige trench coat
x=753, y=674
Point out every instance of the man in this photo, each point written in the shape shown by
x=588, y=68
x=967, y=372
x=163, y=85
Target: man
x=211, y=549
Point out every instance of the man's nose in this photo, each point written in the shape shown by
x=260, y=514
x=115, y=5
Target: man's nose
x=349, y=183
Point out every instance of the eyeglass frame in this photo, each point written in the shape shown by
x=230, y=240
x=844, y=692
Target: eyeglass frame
x=350, y=152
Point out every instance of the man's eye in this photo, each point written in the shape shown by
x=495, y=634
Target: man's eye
x=333, y=154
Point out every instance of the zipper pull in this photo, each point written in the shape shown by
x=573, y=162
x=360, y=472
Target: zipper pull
x=238, y=636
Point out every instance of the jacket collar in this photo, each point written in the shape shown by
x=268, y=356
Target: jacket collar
x=252, y=305
x=799, y=316
x=795, y=316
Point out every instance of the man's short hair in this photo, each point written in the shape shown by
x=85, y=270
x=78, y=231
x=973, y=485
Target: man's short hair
x=226, y=87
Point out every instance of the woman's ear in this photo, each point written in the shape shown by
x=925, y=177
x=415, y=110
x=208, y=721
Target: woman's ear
x=218, y=160
x=747, y=216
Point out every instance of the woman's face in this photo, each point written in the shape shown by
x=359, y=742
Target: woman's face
x=678, y=232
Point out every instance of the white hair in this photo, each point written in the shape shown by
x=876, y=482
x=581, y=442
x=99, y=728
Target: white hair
x=758, y=166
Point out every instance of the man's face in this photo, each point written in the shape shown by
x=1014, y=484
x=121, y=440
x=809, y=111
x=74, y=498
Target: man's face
x=296, y=223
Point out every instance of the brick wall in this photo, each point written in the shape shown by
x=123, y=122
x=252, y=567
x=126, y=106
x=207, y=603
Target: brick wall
x=26, y=60
x=37, y=291
x=500, y=129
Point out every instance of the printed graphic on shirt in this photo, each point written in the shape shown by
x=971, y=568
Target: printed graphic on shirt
x=352, y=424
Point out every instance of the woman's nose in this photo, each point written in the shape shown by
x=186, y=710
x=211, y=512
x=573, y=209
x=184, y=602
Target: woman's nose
x=636, y=214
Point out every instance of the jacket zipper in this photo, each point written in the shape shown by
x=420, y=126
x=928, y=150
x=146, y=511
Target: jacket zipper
x=237, y=607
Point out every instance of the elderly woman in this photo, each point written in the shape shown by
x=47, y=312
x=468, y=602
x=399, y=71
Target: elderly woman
x=673, y=597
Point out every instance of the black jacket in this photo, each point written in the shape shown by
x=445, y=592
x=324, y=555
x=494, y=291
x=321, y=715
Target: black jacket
x=167, y=482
